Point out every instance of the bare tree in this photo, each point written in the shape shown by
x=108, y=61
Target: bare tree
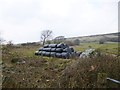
x=45, y=35
x=10, y=43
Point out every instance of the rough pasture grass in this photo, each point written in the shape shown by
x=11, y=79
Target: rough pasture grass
x=45, y=72
x=83, y=72
x=111, y=48
x=36, y=72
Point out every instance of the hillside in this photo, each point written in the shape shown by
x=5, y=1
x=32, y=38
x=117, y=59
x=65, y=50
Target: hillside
x=111, y=37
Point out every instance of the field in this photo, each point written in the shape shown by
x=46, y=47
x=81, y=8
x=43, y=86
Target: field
x=108, y=47
x=22, y=69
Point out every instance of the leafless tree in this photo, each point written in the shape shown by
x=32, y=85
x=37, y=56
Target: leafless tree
x=10, y=43
x=45, y=35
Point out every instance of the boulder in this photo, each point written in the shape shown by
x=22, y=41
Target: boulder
x=87, y=53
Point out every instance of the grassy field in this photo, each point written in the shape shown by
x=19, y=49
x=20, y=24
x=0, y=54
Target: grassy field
x=111, y=48
x=45, y=72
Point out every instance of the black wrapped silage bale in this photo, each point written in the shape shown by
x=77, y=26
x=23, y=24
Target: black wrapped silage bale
x=66, y=46
x=47, y=49
x=53, y=49
x=40, y=52
x=59, y=50
x=56, y=50
x=52, y=45
x=40, y=49
x=58, y=55
x=61, y=45
x=36, y=52
x=46, y=46
x=67, y=50
x=52, y=54
x=43, y=53
x=44, y=49
x=65, y=55
x=47, y=54
x=72, y=50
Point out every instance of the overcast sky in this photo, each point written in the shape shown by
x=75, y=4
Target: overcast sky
x=23, y=20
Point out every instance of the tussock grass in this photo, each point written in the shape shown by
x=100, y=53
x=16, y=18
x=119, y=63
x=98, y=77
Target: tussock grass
x=45, y=72
x=82, y=73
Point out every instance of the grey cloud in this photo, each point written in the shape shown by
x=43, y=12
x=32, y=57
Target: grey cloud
x=28, y=18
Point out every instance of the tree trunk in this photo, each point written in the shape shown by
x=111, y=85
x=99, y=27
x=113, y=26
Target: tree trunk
x=43, y=41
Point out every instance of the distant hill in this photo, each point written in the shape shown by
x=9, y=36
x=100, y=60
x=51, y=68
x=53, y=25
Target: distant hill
x=111, y=37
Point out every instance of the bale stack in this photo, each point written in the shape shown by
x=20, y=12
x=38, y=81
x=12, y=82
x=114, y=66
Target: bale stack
x=56, y=50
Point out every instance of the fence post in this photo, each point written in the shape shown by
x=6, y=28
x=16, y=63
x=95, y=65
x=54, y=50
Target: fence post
x=101, y=80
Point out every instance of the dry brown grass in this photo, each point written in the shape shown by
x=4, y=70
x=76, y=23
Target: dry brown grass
x=44, y=72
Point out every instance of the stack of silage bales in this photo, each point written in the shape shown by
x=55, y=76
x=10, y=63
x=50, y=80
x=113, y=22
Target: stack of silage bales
x=55, y=50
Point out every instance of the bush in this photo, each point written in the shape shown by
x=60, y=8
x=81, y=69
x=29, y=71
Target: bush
x=76, y=41
x=101, y=41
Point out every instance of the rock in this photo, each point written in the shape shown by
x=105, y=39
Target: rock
x=87, y=53
x=22, y=62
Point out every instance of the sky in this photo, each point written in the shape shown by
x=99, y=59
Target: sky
x=23, y=20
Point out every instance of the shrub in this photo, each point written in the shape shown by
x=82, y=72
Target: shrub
x=76, y=41
x=101, y=41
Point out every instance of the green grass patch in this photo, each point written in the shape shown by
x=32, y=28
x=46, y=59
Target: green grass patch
x=111, y=48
